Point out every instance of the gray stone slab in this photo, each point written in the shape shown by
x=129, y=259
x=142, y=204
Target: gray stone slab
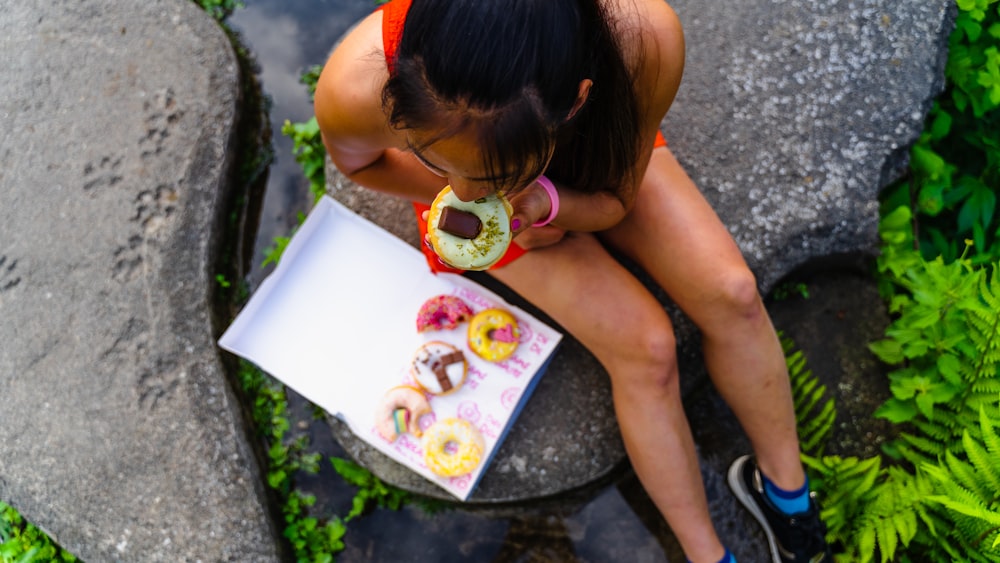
x=794, y=114
x=118, y=432
x=791, y=117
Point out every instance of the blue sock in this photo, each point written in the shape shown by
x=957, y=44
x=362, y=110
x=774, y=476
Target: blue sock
x=789, y=502
x=727, y=558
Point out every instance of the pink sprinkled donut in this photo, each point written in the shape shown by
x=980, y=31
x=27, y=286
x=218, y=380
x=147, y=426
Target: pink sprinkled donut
x=443, y=312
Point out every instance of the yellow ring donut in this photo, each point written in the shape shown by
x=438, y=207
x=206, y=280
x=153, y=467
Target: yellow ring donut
x=493, y=335
x=452, y=447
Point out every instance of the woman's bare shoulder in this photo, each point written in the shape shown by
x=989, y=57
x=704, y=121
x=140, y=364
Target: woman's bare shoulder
x=348, y=101
x=657, y=48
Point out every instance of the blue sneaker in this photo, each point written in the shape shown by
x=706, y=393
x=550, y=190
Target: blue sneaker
x=793, y=539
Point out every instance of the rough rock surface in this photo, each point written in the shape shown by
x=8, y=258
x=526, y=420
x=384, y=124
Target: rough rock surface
x=791, y=117
x=119, y=434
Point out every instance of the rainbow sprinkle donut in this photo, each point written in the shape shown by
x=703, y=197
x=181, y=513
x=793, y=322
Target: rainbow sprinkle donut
x=399, y=411
x=452, y=447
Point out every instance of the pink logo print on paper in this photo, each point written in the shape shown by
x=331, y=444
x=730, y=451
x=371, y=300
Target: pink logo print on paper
x=427, y=420
x=509, y=397
x=461, y=483
x=469, y=410
x=526, y=333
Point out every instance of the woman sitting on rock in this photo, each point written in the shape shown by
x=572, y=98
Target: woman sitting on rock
x=557, y=104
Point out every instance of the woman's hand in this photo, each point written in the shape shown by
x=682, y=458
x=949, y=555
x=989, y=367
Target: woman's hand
x=531, y=205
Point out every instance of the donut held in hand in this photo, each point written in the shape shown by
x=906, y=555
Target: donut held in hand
x=459, y=240
x=442, y=312
x=494, y=335
x=399, y=411
x=439, y=368
x=453, y=447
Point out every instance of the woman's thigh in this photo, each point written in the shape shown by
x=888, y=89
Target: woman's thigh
x=674, y=234
x=590, y=294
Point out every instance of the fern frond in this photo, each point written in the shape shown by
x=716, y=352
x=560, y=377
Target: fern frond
x=989, y=288
x=965, y=475
x=989, y=436
x=983, y=319
x=846, y=486
x=989, y=386
x=941, y=428
x=814, y=427
x=924, y=445
x=959, y=498
x=988, y=466
x=966, y=503
x=808, y=394
x=902, y=450
x=885, y=533
x=891, y=515
x=817, y=431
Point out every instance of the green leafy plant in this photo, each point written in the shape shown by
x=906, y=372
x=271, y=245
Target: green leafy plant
x=933, y=495
x=309, y=152
x=870, y=511
x=371, y=490
x=307, y=141
x=943, y=346
x=946, y=344
x=787, y=290
x=311, y=539
x=219, y=9
x=955, y=166
x=929, y=495
x=22, y=542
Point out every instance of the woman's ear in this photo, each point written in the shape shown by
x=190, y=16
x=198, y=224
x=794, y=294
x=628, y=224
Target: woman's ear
x=581, y=97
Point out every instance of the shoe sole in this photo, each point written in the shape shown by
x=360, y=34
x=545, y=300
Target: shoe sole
x=736, y=485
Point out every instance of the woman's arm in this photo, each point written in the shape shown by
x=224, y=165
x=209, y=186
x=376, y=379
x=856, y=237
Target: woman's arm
x=353, y=126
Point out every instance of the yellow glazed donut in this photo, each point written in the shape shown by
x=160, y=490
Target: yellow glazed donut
x=399, y=411
x=452, y=447
x=493, y=335
x=487, y=247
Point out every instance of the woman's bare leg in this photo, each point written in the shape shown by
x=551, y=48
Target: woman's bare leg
x=624, y=326
x=673, y=233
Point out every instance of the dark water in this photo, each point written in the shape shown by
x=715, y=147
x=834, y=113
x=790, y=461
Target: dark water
x=285, y=39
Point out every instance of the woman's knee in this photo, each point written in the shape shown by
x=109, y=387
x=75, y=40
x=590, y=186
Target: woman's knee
x=648, y=361
x=738, y=295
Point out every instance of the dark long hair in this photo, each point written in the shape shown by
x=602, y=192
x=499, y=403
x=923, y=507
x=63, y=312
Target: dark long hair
x=511, y=69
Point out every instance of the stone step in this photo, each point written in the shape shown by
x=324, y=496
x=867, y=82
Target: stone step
x=119, y=433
